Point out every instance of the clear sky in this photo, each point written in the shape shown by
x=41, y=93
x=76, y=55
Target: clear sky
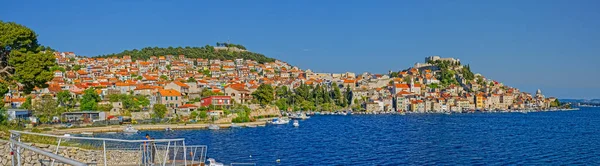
x=553, y=45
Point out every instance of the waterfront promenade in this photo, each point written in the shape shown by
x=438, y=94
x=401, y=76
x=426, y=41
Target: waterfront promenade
x=148, y=127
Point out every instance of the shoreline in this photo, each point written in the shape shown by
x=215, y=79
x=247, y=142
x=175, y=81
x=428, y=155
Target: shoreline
x=119, y=128
x=140, y=128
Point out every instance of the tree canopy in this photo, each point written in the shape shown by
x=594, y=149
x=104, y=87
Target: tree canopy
x=89, y=100
x=159, y=110
x=206, y=52
x=264, y=94
x=22, y=58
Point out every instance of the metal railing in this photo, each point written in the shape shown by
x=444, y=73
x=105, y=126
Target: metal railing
x=165, y=151
x=15, y=145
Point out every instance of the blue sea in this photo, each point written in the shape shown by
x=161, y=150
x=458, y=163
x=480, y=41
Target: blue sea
x=542, y=138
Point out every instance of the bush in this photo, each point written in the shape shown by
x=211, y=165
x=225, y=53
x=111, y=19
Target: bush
x=36, y=130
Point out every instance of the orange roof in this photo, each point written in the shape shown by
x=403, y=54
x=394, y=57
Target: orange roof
x=403, y=86
x=121, y=84
x=18, y=100
x=403, y=93
x=188, y=106
x=169, y=92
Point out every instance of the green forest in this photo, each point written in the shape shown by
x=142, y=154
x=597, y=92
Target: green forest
x=206, y=52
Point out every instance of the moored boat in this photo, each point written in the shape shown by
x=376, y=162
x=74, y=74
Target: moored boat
x=296, y=124
x=280, y=121
x=130, y=129
x=233, y=125
x=213, y=127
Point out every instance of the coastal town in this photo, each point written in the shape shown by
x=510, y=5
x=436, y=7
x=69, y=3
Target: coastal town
x=194, y=89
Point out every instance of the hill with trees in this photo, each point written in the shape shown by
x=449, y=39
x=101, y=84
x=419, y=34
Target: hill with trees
x=206, y=52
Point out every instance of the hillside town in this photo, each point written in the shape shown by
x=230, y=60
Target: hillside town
x=188, y=86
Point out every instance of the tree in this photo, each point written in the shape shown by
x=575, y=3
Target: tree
x=264, y=94
x=202, y=115
x=54, y=68
x=77, y=67
x=337, y=95
x=45, y=109
x=164, y=77
x=433, y=86
x=555, y=103
x=348, y=96
x=105, y=107
x=89, y=100
x=65, y=99
x=22, y=59
x=160, y=110
x=394, y=74
x=191, y=79
x=27, y=103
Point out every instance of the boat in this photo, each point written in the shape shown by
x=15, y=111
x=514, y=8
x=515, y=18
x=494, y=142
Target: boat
x=168, y=129
x=251, y=125
x=130, y=129
x=112, y=132
x=67, y=135
x=233, y=125
x=300, y=116
x=213, y=162
x=296, y=124
x=214, y=127
x=87, y=133
x=280, y=121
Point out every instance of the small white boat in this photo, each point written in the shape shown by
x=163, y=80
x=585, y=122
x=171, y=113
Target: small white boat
x=168, y=129
x=130, y=129
x=214, y=127
x=112, y=132
x=67, y=135
x=213, y=162
x=296, y=124
x=280, y=121
x=233, y=125
x=87, y=133
x=251, y=125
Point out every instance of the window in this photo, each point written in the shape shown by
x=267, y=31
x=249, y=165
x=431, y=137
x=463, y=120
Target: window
x=171, y=97
x=166, y=98
x=176, y=98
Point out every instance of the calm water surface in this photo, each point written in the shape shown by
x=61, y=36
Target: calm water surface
x=555, y=138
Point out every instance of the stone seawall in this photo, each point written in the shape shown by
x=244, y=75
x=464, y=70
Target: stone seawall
x=91, y=157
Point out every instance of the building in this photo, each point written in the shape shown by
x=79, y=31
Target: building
x=84, y=116
x=170, y=98
x=18, y=114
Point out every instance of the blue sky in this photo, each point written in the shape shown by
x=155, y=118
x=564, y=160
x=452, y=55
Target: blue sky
x=553, y=45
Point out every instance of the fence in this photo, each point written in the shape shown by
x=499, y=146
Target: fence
x=104, y=151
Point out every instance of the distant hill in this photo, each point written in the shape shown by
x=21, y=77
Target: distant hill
x=207, y=52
